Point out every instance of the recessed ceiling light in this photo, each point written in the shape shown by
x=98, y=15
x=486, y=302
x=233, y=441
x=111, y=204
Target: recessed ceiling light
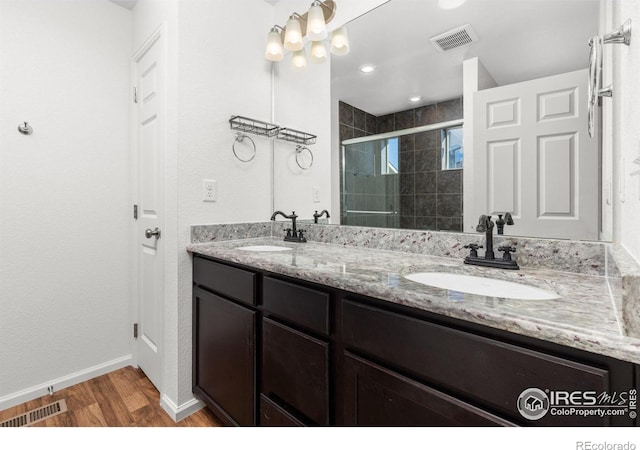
x=417, y=98
x=450, y=4
x=367, y=68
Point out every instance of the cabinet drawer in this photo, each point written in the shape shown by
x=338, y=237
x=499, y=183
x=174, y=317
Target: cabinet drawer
x=295, y=368
x=376, y=396
x=229, y=281
x=300, y=305
x=272, y=415
x=492, y=373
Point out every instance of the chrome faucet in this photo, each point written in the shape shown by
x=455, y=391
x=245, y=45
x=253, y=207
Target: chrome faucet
x=316, y=216
x=293, y=234
x=486, y=225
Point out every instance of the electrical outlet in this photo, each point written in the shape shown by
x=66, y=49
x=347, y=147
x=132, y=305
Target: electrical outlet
x=316, y=194
x=209, y=190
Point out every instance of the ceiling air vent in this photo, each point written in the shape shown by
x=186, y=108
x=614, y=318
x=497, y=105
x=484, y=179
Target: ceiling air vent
x=456, y=38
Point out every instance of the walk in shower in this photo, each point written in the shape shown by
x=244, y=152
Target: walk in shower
x=410, y=179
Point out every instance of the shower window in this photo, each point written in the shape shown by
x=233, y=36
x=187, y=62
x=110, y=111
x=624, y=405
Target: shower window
x=452, y=149
x=389, y=157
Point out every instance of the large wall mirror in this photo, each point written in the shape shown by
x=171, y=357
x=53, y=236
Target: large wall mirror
x=487, y=118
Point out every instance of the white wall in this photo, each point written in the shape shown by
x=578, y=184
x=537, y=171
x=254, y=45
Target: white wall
x=302, y=106
x=64, y=194
x=626, y=133
x=222, y=72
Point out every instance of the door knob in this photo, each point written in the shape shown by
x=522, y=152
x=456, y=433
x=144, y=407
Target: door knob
x=149, y=233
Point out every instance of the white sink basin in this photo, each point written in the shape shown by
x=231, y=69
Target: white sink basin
x=489, y=287
x=264, y=248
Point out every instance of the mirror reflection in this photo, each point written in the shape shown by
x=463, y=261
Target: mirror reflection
x=445, y=115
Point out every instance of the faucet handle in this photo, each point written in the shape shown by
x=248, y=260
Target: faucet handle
x=288, y=230
x=301, y=237
x=509, y=219
x=507, y=249
x=474, y=248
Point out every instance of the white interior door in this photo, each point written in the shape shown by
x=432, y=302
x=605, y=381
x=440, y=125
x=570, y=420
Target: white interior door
x=534, y=158
x=150, y=87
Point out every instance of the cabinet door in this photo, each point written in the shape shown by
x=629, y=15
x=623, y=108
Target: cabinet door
x=224, y=357
x=375, y=396
x=273, y=415
x=295, y=369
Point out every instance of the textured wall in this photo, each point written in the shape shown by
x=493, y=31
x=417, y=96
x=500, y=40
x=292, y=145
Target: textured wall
x=64, y=191
x=221, y=72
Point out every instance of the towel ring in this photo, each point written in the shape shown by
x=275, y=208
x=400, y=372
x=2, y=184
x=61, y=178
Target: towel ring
x=240, y=138
x=299, y=150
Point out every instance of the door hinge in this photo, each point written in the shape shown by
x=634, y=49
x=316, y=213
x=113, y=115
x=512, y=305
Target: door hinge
x=135, y=95
x=135, y=212
x=135, y=331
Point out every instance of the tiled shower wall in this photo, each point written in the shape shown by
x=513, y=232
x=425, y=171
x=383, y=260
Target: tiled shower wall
x=430, y=198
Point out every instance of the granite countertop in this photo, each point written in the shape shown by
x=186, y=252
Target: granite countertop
x=584, y=317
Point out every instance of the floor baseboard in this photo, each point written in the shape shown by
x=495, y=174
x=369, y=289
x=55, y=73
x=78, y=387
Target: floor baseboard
x=66, y=381
x=178, y=413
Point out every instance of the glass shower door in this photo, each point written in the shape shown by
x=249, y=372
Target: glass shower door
x=370, y=185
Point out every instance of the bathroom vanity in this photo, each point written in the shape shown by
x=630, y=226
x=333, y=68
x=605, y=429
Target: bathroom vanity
x=321, y=334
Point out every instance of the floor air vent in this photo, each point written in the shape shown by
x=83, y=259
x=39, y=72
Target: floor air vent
x=36, y=415
x=456, y=38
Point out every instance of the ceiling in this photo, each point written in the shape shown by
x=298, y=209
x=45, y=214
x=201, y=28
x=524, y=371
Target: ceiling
x=129, y=4
x=518, y=40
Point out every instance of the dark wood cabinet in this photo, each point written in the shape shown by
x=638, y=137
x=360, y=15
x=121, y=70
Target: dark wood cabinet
x=490, y=372
x=376, y=396
x=271, y=350
x=295, y=370
x=225, y=357
x=231, y=282
x=304, y=307
x=274, y=415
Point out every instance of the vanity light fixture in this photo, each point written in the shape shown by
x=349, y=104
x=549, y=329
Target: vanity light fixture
x=274, y=50
x=293, y=34
x=313, y=26
x=299, y=60
x=318, y=52
x=450, y=4
x=340, y=42
x=417, y=98
x=316, y=26
x=367, y=68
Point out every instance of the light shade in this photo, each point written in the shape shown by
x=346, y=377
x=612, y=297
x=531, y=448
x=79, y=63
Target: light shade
x=316, y=27
x=274, y=50
x=299, y=60
x=450, y=4
x=340, y=42
x=318, y=53
x=293, y=35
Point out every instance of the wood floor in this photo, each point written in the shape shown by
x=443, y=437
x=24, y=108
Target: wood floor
x=124, y=398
